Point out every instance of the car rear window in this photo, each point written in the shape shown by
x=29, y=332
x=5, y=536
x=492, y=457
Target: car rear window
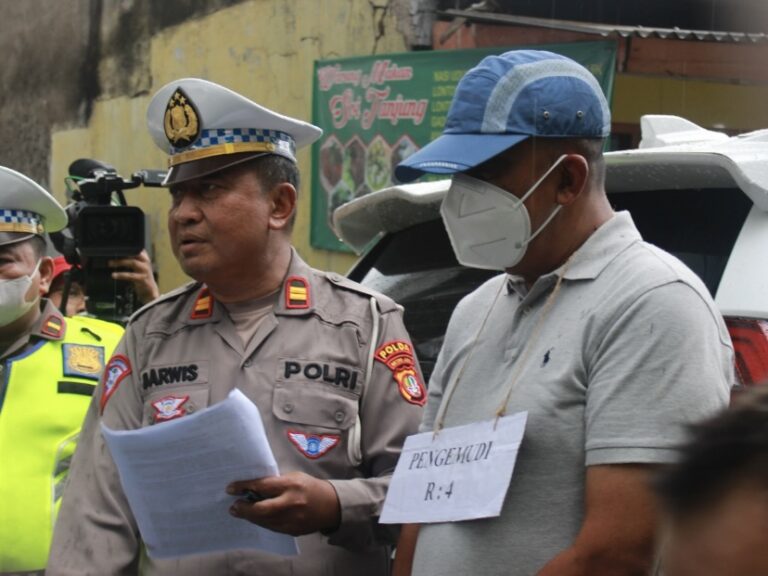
x=417, y=268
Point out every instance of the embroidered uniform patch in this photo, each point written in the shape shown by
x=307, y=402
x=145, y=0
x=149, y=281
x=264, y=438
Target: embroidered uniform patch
x=53, y=326
x=313, y=445
x=83, y=361
x=296, y=293
x=203, y=307
x=117, y=369
x=169, y=407
x=397, y=355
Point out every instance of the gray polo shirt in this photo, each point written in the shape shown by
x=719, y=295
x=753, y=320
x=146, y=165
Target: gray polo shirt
x=632, y=349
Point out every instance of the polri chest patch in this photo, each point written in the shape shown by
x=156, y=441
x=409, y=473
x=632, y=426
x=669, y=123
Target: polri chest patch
x=313, y=445
x=83, y=361
x=397, y=355
x=337, y=375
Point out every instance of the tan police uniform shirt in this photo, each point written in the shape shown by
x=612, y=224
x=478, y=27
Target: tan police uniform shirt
x=307, y=370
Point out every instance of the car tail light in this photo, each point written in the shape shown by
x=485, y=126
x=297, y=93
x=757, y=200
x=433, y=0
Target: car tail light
x=750, y=345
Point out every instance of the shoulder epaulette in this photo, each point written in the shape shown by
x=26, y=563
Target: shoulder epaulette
x=386, y=304
x=167, y=297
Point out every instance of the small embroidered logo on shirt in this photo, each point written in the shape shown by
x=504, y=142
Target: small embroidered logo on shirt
x=169, y=407
x=313, y=445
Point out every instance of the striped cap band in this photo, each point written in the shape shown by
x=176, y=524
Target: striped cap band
x=217, y=142
x=22, y=221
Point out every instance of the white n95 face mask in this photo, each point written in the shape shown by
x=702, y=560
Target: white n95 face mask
x=488, y=227
x=13, y=302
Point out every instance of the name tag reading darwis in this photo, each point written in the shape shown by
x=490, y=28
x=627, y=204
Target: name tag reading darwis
x=462, y=473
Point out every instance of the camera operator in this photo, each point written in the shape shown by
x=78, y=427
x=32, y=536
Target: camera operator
x=134, y=269
x=49, y=367
x=104, y=240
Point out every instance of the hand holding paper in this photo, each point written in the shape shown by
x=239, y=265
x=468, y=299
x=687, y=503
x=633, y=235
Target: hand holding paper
x=295, y=504
x=175, y=475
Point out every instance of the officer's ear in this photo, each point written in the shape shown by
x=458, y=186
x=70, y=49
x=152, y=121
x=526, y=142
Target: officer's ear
x=46, y=275
x=283, y=199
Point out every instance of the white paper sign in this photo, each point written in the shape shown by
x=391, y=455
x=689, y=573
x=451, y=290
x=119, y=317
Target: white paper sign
x=175, y=474
x=462, y=474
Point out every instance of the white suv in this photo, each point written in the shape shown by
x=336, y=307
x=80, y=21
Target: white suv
x=699, y=194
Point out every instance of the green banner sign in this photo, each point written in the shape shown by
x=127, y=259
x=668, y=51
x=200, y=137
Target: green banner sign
x=377, y=110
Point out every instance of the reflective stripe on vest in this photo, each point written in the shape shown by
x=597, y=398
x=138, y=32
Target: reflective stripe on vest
x=39, y=424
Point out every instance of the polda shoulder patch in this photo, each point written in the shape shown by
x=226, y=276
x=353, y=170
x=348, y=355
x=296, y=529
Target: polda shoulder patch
x=397, y=355
x=297, y=293
x=118, y=368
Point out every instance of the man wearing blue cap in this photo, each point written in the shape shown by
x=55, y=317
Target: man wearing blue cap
x=327, y=362
x=608, y=343
x=49, y=368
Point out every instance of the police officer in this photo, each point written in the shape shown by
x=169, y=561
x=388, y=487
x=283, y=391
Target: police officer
x=327, y=362
x=49, y=367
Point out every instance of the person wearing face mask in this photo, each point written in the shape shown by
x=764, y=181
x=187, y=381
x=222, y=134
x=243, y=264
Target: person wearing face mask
x=49, y=367
x=610, y=344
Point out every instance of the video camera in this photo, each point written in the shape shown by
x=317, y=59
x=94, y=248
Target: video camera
x=102, y=227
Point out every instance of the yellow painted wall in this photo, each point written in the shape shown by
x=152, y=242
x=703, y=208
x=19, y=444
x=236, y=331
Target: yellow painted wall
x=709, y=104
x=264, y=49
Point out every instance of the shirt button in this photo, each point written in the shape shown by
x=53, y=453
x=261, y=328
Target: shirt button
x=288, y=408
x=247, y=362
x=339, y=416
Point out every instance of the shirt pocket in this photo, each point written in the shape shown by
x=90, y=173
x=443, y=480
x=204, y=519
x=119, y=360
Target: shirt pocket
x=174, y=402
x=314, y=405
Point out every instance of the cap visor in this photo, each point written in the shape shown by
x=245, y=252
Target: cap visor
x=13, y=237
x=452, y=153
x=207, y=166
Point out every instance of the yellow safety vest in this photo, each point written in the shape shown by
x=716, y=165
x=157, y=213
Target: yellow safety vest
x=48, y=388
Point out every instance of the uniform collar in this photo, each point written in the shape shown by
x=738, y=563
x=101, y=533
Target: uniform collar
x=296, y=296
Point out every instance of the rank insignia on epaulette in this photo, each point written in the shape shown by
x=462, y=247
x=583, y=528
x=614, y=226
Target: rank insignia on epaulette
x=83, y=361
x=397, y=355
x=313, y=445
x=296, y=293
x=203, y=307
x=53, y=326
x=181, y=121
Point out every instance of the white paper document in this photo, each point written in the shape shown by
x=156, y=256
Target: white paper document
x=175, y=476
x=463, y=473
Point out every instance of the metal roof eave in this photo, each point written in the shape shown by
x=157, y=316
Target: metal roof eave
x=607, y=30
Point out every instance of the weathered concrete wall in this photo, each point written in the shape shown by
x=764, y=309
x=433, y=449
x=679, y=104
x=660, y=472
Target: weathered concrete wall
x=82, y=72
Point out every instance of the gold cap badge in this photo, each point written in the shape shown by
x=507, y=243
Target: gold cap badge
x=181, y=122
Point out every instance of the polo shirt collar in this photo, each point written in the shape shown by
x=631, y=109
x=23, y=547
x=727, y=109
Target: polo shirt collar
x=592, y=257
x=607, y=242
